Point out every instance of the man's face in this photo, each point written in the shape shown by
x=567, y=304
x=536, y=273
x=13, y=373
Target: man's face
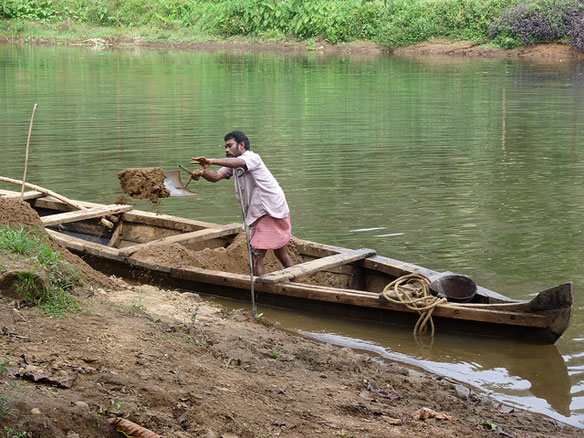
x=233, y=149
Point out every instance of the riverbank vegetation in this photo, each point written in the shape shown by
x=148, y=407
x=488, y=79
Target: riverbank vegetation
x=34, y=272
x=390, y=23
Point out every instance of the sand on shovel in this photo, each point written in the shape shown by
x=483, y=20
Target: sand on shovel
x=144, y=183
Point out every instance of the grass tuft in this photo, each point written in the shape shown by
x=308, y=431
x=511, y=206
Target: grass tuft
x=52, y=296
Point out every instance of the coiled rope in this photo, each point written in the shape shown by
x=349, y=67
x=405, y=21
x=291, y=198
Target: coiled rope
x=413, y=291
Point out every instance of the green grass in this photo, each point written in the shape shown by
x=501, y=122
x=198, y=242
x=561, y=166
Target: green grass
x=34, y=250
x=11, y=433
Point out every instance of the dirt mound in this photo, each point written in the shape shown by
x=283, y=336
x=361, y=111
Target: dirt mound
x=144, y=183
x=233, y=258
x=16, y=213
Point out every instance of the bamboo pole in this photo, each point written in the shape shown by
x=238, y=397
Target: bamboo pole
x=27, y=148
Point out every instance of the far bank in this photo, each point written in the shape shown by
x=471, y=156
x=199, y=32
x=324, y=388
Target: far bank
x=545, y=52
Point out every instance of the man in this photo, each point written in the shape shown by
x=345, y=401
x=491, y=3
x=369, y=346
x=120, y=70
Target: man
x=264, y=203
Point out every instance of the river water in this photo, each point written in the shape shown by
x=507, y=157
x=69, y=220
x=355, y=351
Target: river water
x=469, y=165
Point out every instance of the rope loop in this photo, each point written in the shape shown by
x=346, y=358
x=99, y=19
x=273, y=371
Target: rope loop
x=413, y=291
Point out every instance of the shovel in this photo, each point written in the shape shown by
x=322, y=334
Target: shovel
x=173, y=182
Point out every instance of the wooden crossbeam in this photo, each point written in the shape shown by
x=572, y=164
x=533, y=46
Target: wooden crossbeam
x=328, y=262
x=185, y=238
x=85, y=246
x=78, y=215
x=9, y=194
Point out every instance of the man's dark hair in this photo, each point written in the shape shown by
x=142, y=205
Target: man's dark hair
x=239, y=137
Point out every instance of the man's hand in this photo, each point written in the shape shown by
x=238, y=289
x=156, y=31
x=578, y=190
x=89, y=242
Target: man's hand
x=202, y=161
x=197, y=174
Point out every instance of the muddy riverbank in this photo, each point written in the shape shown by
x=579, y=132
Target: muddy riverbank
x=553, y=52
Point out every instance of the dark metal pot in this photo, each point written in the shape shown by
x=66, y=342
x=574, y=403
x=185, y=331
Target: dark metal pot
x=457, y=288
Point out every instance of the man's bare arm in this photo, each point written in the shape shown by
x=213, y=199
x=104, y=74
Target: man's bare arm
x=223, y=162
x=208, y=174
x=211, y=175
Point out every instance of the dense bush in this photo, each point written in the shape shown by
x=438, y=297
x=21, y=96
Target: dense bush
x=536, y=21
x=415, y=21
x=336, y=21
x=391, y=23
x=41, y=10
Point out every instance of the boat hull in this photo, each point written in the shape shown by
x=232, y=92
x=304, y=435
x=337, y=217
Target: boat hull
x=358, y=276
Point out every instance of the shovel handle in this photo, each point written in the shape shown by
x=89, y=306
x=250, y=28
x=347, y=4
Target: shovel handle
x=190, y=172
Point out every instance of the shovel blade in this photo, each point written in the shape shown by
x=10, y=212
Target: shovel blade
x=173, y=183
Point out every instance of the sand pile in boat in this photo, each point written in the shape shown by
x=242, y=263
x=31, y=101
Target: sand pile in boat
x=16, y=213
x=144, y=183
x=233, y=258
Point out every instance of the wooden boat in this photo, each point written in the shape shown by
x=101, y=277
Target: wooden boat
x=356, y=278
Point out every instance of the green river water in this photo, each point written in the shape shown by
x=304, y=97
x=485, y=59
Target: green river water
x=469, y=165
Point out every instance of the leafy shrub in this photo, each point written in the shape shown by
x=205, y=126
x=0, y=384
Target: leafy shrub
x=336, y=21
x=41, y=10
x=253, y=17
x=536, y=21
x=368, y=19
x=322, y=18
x=411, y=22
x=574, y=18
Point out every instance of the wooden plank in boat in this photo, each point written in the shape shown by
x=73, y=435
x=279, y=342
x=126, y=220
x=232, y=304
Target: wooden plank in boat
x=317, y=250
x=369, y=299
x=135, y=216
x=9, y=194
x=316, y=265
x=156, y=267
x=116, y=235
x=84, y=246
x=79, y=215
x=186, y=238
x=50, y=203
x=136, y=234
x=163, y=220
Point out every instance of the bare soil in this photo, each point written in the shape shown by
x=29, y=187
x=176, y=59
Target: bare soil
x=143, y=183
x=552, y=52
x=183, y=366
